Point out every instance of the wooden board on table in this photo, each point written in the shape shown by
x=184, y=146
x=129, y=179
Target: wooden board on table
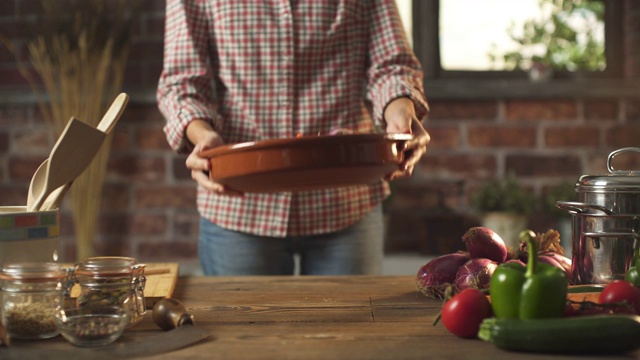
x=588, y=292
x=161, y=282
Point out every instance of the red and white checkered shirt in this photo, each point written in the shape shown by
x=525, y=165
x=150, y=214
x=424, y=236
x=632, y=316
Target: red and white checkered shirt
x=274, y=69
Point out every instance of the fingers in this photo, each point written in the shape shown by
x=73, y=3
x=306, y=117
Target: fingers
x=414, y=150
x=200, y=170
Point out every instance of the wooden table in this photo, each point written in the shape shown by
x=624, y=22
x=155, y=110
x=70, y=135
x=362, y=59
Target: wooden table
x=366, y=317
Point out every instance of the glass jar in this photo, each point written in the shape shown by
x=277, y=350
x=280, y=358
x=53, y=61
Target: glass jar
x=31, y=294
x=112, y=281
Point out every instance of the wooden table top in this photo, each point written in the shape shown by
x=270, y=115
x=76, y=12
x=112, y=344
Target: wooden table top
x=294, y=317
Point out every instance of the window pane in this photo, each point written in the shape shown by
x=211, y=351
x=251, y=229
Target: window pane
x=404, y=8
x=472, y=31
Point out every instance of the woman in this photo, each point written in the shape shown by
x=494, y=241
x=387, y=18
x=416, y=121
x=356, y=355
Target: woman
x=237, y=71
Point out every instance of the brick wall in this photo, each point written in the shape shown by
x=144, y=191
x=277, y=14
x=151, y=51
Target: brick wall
x=148, y=205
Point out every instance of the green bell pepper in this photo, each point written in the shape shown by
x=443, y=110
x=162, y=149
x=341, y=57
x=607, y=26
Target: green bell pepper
x=633, y=274
x=533, y=292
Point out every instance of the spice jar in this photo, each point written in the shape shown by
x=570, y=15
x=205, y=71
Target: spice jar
x=112, y=281
x=31, y=294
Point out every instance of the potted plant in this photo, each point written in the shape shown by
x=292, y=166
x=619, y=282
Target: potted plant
x=504, y=206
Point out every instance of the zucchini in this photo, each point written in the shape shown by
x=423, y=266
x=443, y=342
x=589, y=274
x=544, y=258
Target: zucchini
x=592, y=334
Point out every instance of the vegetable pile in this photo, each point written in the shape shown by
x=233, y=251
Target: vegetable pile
x=449, y=274
x=529, y=309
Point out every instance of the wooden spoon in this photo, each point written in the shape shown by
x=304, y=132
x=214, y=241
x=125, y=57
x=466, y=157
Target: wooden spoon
x=76, y=147
x=105, y=125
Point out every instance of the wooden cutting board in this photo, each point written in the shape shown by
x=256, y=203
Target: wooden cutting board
x=161, y=282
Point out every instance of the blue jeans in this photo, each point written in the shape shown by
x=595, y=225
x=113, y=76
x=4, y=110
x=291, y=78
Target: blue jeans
x=356, y=250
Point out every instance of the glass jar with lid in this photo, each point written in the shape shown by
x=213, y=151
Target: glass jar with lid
x=31, y=294
x=112, y=281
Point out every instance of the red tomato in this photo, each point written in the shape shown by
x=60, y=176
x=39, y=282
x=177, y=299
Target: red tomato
x=463, y=313
x=620, y=290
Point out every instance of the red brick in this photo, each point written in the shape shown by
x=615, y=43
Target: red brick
x=138, y=114
x=33, y=141
x=148, y=224
x=518, y=110
x=151, y=138
x=633, y=110
x=162, y=251
x=442, y=164
x=145, y=169
x=623, y=136
x=444, y=137
x=569, y=137
x=463, y=110
x=11, y=77
x=22, y=168
x=601, y=109
x=185, y=224
x=120, y=140
x=179, y=196
x=133, y=224
x=29, y=7
x=4, y=141
x=500, y=137
x=115, y=197
x=141, y=49
x=543, y=166
x=7, y=7
x=155, y=26
x=180, y=171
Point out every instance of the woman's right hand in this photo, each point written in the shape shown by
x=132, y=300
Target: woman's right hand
x=204, y=137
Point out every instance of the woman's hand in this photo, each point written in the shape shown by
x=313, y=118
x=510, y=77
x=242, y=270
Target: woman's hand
x=400, y=116
x=204, y=137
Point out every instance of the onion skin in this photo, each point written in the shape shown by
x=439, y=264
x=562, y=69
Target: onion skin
x=564, y=261
x=549, y=260
x=516, y=261
x=437, y=275
x=476, y=274
x=484, y=243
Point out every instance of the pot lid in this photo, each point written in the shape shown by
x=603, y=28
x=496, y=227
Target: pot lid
x=615, y=181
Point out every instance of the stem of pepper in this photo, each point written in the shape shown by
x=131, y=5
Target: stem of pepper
x=532, y=247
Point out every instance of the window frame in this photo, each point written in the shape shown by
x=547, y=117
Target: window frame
x=426, y=46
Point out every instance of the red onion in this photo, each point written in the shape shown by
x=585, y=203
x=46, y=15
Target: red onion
x=516, y=261
x=435, y=276
x=564, y=261
x=476, y=274
x=549, y=260
x=485, y=243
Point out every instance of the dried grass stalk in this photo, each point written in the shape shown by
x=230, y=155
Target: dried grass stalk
x=80, y=52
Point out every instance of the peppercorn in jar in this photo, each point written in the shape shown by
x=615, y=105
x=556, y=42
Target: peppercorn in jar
x=112, y=281
x=31, y=294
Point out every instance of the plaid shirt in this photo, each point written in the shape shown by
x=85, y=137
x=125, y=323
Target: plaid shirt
x=274, y=69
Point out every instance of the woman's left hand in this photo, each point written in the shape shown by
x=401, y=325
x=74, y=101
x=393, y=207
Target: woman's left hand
x=400, y=116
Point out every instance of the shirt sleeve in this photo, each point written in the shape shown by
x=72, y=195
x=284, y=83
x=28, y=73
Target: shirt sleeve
x=185, y=87
x=394, y=71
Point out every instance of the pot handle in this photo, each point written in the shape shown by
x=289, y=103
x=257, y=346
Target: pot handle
x=617, y=152
x=579, y=208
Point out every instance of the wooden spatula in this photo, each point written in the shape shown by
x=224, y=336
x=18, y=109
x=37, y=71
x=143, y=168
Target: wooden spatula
x=76, y=147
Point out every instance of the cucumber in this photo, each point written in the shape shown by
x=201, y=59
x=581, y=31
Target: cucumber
x=589, y=334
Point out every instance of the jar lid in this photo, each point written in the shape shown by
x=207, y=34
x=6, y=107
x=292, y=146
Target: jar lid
x=615, y=181
x=106, y=266
x=33, y=272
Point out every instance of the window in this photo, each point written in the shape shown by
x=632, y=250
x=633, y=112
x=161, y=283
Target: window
x=455, y=38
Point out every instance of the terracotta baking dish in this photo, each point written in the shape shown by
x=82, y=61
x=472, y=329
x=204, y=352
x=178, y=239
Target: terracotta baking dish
x=306, y=163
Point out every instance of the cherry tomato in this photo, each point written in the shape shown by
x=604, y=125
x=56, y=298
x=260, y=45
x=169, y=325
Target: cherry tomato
x=620, y=290
x=463, y=313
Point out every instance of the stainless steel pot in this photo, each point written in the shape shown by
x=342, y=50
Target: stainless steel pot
x=602, y=247
x=619, y=191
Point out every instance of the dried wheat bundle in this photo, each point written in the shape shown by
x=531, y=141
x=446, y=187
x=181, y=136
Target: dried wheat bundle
x=79, y=50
